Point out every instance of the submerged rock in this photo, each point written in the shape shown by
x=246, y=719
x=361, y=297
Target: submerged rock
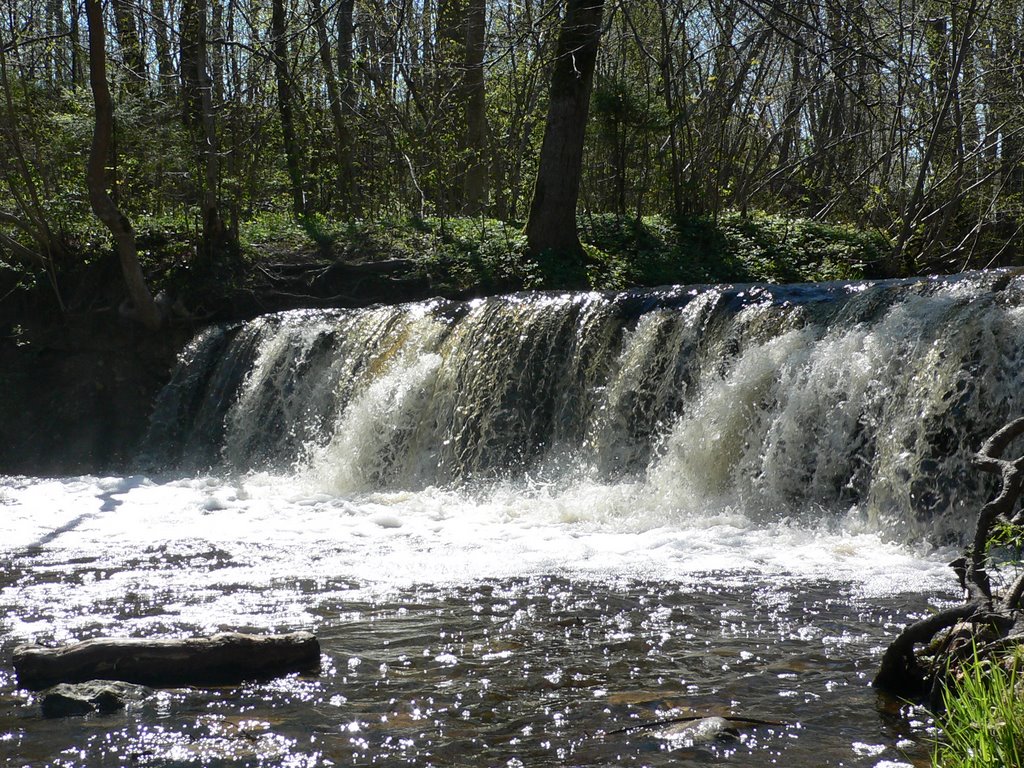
x=73, y=699
x=707, y=730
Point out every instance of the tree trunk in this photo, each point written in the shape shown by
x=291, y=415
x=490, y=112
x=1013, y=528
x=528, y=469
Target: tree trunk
x=189, y=26
x=342, y=136
x=552, y=222
x=201, y=121
x=346, y=37
x=474, y=183
x=286, y=107
x=77, y=70
x=448, y=102
x=993, y=618
x=145, y=308
x=130, y=43
x=669, y=84
x=165, y=67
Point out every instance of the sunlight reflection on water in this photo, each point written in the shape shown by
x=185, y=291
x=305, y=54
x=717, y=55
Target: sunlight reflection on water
x=466, y=635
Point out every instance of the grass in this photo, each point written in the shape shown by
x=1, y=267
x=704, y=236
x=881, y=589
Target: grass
x=983, y=725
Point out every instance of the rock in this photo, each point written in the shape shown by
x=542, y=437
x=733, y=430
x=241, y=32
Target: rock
x=707, y=730
x=228, y=657
x=103, y=696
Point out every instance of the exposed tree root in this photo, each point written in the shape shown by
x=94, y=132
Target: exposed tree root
x=986, y=622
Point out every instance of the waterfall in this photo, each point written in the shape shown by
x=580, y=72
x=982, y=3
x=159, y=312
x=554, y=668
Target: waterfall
x=789, y=400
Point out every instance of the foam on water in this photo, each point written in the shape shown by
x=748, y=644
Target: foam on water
x=209, y=547
x=810, y=433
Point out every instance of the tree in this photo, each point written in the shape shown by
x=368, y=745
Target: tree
x=130, y=43
x=342, y=135
x=552, y=222
x=29, y=217
x=200, y=120
x=987, y=623
x=286, y=107
x=474, y=183
x=143, y=305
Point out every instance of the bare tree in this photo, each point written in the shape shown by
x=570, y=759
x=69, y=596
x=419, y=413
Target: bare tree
x=286, y=107
x=475, y=181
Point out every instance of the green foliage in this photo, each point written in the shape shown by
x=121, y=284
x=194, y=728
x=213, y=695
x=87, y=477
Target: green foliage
x=480, y=254
x=1006, y=544
x=464, y=253
x=983, y=726
x=735, y=248
x=471, y=253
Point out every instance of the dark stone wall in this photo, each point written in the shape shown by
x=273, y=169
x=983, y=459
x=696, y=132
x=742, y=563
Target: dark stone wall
x=76, y=397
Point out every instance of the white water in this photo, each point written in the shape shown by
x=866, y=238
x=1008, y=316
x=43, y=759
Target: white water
x=204, y=547
x=812, y=434
x=821, y=434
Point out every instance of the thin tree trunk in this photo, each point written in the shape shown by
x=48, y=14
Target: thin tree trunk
x=342, y=137
x=552, y=222
x=215, y=58
x=346, y=36
x=448, y=104
x=912, y=211
x=214, y=231
x=130, y=43
x=145, y=307
x=286, y=107
x=474, y=183
x=200, y=120
x=668, y=83
x=77, y=70
x=165, y=67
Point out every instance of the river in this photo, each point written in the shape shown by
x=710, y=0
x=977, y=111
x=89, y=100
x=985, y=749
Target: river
x=527, y=528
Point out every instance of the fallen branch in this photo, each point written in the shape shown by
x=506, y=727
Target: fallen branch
x=224, y=658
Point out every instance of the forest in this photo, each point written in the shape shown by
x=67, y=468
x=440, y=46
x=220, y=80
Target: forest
x=242, y=126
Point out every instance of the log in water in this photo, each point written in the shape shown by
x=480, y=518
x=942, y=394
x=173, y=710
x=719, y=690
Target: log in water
x=226, y=657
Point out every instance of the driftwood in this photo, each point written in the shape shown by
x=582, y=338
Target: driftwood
x=985, y=620
x=223, y=658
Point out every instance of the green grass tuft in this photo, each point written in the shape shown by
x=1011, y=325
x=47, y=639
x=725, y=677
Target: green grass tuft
x=983, y=726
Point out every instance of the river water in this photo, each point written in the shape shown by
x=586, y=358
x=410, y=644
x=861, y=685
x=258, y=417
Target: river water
x=528, y=529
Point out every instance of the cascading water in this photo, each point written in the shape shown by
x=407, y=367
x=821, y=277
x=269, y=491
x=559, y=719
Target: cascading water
x=522, y=524
x=786, y=401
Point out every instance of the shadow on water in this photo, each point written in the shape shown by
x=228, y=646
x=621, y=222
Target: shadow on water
x=117, y=487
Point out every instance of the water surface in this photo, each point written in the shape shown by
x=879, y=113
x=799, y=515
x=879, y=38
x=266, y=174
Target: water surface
x=457, y=628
